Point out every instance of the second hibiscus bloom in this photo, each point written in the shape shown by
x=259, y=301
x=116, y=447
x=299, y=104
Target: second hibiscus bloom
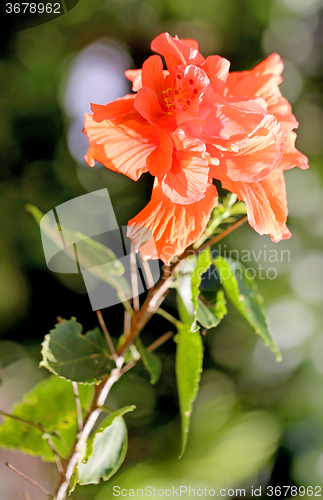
x=193, y=123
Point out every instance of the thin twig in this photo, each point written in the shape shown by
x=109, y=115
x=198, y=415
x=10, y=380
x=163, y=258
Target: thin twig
x=134, y=282
x=127, y=324
x=225, y=233
x=106, y=333
x=169, y=317
x=149, y=276
x=128, y=367
x=151, y=304
x=78, y=406
x=23, y=421
x=28, y=479
x=26, y=495
x=56, y=456
x=166, y=272
x=160, y=341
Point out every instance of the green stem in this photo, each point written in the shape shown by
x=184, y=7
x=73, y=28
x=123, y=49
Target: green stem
x=209, y=231
x=169, y=317
x=225, y=233
x=106, y=409
x=23, y=421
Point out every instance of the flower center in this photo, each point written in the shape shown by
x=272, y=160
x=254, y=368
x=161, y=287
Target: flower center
x=180, y=95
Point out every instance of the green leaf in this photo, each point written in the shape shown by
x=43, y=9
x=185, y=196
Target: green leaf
x=151, y=362
x=106, y=423
x=203, y=263
x=71, y=355
x=105, y=450
x=243, y=293
x=50, y=403
x=212, y=310
x=91, y=255
x=73, y=481
x=189, y=358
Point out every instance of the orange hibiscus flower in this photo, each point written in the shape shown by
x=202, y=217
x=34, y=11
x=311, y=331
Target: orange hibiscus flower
x=193, y=123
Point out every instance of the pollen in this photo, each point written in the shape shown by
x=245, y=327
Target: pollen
x=180, y=95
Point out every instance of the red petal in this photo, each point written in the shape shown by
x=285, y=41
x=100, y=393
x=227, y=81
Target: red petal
x=271, y=65
x=113, y=110
x=231, y=121
x=190, y=42
x=263, y=81
x=265, y=86
x=152, y=74
x=147, y=104
x=257, y=155
x=217, y=69
x=174, y=226
x=187, y=180
x=134, y=75
x=176, y=52
x=160, y=160
x=266, y=204
x=292, y=157
x=119, y=147
x=282, y=110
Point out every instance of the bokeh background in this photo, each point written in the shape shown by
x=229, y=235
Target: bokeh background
x=256, y=422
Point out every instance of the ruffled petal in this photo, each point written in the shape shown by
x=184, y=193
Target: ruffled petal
x=266, y=204
x=119, y=147
x=228, y=122
x=160, y=160
x=176, y=52
x=190, y=42
x=262, y=81
x=265, y=86
x=282, y=110
x=174, y=226
x=292, y=157
x=254, y=157
x=217, y=69
x=272, y=65
x=187, y=180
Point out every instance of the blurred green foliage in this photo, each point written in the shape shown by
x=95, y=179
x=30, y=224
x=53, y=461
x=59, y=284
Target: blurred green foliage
x=256, y=422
